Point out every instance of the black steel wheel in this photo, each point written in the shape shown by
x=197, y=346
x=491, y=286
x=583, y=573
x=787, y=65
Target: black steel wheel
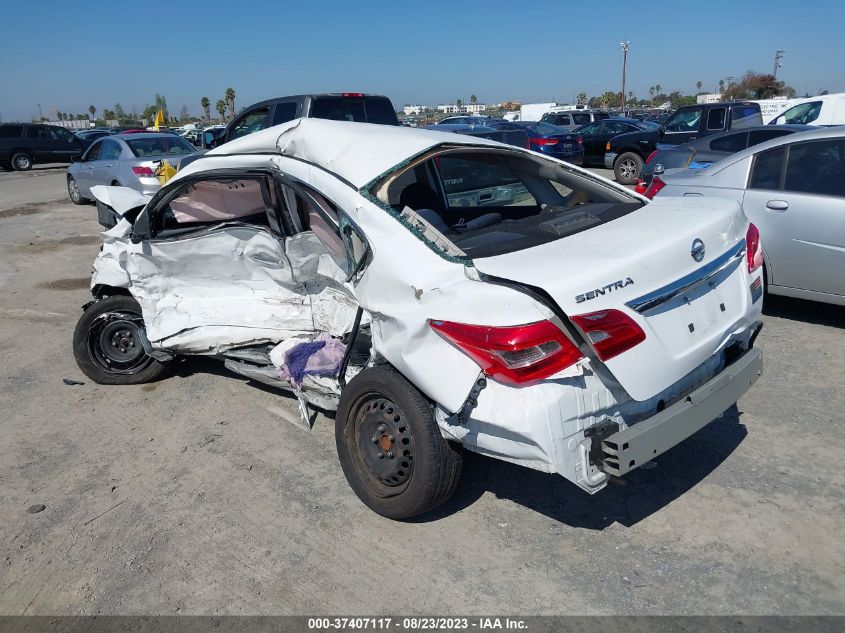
x=107, y=344
x=390, y=446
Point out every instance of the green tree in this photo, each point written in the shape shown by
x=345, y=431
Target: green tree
x=721, y=86
x=183, y=115
x=206, y=108
x=220, y=106
x=754, y=85
x=92, y=110
x=119, y=114
x=230, y=102
x=473, y=99
x=582, y=98
x=698, y=85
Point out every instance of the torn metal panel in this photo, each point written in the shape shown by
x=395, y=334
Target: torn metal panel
x=121, y=199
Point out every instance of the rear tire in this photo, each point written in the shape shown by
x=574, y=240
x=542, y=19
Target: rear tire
x=22, y=161
x=107, y=347
x=628, y=168
x=390, y=447
x=73, y=191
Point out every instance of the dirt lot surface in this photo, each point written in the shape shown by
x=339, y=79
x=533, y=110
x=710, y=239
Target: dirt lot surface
x=198, y=494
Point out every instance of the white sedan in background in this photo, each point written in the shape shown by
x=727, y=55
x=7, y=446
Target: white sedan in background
x=793, y=190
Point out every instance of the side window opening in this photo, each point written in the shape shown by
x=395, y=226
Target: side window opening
x=816, y=167
x=716, y=119
x=208, y=202
x=729, y=143
x=252, y=122
x=310, y=212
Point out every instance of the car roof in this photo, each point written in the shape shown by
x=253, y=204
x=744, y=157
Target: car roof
x=705, y=140
x=145, y=135
x=325, y=143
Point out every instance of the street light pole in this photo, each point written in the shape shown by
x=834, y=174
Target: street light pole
x=778, y=56
x=624, y=46
x=40, y=116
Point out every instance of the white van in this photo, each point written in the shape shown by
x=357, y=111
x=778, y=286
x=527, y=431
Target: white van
x=821, y=110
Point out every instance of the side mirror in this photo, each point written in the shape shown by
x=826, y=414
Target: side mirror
x=662, y=131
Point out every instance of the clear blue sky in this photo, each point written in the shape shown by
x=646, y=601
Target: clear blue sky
x=67, y=55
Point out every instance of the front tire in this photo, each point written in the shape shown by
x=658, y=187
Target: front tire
x=73, y=191
x=22, y=161
x=628, y=168
x=107, y=345
x=390, y=447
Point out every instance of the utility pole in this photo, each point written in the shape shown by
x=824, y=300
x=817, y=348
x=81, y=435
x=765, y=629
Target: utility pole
x=778, y=57
x=40, y=116
x=624, y=47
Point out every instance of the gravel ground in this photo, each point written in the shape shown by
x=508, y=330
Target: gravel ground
x=200, y=494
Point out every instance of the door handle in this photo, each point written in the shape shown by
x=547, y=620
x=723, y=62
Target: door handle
x=777, y=205
x=90, y=166
x=109, y=165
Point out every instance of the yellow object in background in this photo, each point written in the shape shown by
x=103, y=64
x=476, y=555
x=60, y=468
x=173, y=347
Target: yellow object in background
x=159, y=121
x=165, y=171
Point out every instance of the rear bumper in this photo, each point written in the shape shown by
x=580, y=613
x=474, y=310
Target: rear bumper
x=609, y=159
x=625, y=450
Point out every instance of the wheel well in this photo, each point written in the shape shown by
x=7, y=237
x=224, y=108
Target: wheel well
x=19, y=150
x=103, y=290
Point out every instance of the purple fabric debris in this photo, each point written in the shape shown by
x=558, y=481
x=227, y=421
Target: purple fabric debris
x=320, y=357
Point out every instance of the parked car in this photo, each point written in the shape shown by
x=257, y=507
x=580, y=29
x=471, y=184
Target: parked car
x=552, y=140
x=340, y=106
x=793, y=189
x=128, y=160
x=503, y=132
x=426, y=318
x=822, y=110
x=23, y=145
x=572, y=119
x=475, y=119
x=596, y=135
x=706, y=151
x=92, y=134
x=625, y=154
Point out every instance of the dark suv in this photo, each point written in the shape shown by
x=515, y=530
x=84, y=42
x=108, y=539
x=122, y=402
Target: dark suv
x=340, y=106
x=626, y=154
x=23, y=145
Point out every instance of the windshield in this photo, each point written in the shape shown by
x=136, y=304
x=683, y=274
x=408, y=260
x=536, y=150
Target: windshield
x=159, y=146
x=492, y=202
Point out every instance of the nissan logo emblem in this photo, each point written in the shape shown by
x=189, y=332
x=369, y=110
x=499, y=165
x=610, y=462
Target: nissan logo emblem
x=697, y=250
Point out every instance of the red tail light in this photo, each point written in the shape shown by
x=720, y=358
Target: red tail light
x=654, y=188
x=640, y=187
x=753, y=249
x=650, y=157
x=514, y=355
x=543, y=141
x=580, y=140
x=144, y=172
x=610, y=331
x=352, y=94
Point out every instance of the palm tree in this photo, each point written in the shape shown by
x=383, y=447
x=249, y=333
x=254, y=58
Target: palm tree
x=60, y=116
x=721, y=86
x=221, y=108
x=230, y=101
x=651, y=94
x=698, y=85
x=92, y=110
x=206, y=108
x=657, y=89
x=582, y=98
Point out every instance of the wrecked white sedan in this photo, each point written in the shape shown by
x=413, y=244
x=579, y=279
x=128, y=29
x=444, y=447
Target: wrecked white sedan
x=437, y=292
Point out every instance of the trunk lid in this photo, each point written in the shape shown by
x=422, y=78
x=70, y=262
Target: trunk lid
x=633, y=264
